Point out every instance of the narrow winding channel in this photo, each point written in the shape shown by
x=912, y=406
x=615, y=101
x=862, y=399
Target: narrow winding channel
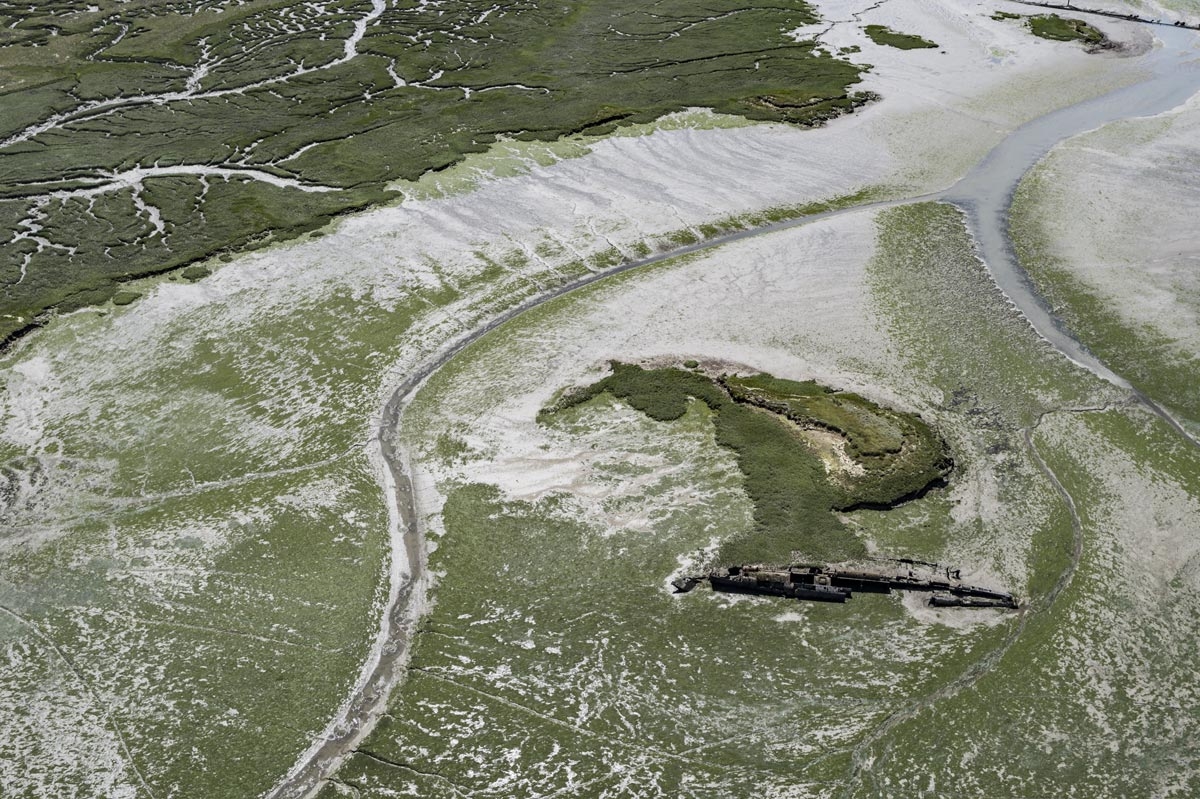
x=986, y=192
x=985, y=195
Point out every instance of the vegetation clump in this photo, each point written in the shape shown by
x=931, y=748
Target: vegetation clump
x=1065, y=29
x=806, y=451
x=896, y=454
x=194, y=273
x=881, y=34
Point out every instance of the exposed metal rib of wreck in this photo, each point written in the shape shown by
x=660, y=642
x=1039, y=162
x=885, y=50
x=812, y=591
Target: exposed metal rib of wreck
x=834, y=584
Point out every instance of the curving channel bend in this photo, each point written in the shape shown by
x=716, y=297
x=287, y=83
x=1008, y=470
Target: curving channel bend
x=984, y=194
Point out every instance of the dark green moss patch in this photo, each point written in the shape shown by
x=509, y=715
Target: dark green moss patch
x=764, y=421
x=881, y=34
x=125, y=297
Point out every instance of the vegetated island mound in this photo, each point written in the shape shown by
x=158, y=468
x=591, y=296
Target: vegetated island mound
x=808, y=453
x=1063, y=29
x=1066, y=29
x=881, y=34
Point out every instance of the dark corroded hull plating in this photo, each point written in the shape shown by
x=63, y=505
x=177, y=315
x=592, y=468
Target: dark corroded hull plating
x=829, y=584
x=775, y=583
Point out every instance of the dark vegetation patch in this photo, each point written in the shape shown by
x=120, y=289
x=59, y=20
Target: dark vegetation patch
x=429, y=85
x=1065, y=29
x=1061, y=29
x=881, y=34
x=196, y=273
x=762, y=419
x=899, y=453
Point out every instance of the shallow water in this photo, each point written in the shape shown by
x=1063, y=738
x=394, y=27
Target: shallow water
x=986, y=192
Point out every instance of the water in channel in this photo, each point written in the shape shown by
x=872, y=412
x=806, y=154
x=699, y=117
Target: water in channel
x=986, y=192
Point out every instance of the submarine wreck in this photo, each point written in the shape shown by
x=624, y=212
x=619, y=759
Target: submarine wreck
x=835, y=584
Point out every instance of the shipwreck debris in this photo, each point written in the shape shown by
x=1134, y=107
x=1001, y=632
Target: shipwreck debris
x=941, y=599
x=777, y=582
x=684, y=584
x=837, y=584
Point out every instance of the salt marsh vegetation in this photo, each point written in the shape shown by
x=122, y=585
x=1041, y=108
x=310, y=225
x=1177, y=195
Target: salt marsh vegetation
x=158, y=135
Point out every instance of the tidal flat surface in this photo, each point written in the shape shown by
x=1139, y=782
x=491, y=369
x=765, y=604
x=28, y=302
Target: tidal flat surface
x=1099, y=227
x=200, y=540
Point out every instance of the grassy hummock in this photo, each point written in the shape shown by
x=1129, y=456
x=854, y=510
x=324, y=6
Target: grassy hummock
x=806, y=452
x=1065, y=29
x=896, y=454
x=881, y=34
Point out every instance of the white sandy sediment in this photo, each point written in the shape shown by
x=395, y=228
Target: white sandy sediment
x=1168, y=11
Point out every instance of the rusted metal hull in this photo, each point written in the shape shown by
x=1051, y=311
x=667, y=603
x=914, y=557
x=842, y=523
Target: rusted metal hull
x=763, y=583
x=941, y=600
x=830, y=584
